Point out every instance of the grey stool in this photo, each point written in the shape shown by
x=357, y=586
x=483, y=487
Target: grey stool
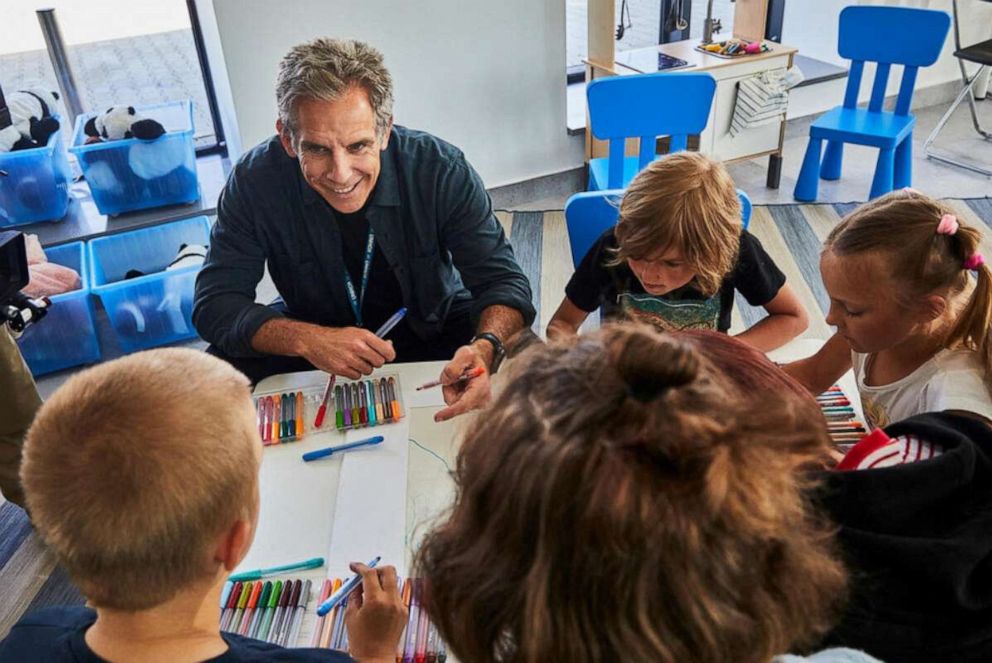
x=980, y=54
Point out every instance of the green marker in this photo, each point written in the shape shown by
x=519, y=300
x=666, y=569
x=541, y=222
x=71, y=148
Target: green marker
x=263, y=630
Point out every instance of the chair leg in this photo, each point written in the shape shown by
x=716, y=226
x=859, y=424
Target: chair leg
x=884, y=169
x=833, y=157
x=808, y=183
x=904, y=163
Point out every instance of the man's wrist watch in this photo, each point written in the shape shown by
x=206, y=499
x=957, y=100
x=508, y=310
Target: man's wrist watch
x=498, y=350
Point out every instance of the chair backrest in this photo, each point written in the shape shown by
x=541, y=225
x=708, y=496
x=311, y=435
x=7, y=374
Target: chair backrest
x=587, y=216
x=646, y=106
x=887, y=36
x=590, y=213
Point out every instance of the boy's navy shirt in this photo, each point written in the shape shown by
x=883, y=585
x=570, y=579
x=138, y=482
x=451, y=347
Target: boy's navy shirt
x=57, y=635
x=620, y=294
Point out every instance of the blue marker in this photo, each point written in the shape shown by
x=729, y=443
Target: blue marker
x=346, y=589
x=323, y=453
x=388, y=325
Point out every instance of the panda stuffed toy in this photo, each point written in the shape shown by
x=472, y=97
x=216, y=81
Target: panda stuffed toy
x=32, y=119
x=148, y=167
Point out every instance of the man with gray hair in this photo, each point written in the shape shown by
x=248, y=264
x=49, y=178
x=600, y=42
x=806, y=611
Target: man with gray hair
x=357, y=217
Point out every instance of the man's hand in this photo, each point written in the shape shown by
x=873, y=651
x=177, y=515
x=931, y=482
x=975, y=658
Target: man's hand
x=471, y=394
x=350, y=352
x=375, y=616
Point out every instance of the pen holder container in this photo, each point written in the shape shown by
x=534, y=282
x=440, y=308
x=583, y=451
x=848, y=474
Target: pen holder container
x=364, y=403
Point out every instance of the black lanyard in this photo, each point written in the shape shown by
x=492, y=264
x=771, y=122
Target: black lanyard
x=357, y=299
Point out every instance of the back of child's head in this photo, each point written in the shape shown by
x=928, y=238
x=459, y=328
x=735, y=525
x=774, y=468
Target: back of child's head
x=135, y=467
x=686, y=201
x=926, y=250
x=622, y=500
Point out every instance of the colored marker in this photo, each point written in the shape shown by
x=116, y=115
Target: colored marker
x=363, y=398
x=260, y=417
x=246, y=590
x=356, y=418
x=322, y=410
x=299, y=415
x=263, y=600
x=338, y=630
x=388, y=325
x=369, y=402
x=276, y=417
x=397, y=413
x=258, y=574
x=412, y=622
x=246, y=616
x=420, y=654
x=325, y=591
x=324, y=453
x=325, y=635
x=232, y=602
x=292, y=598
x=338, y=408
x=293, y=634
x=263, y=631
x=465, y=377
x=347, y=588
x=387, y=410
x=346, y=405
x=405, y=594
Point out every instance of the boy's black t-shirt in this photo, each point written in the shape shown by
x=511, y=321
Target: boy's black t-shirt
x=57, y=635
x=620, y=294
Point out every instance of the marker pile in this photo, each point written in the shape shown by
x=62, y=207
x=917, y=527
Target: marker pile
x=420, y=642
x=845, y=430
x=264, y=610
x=367, y=403
x=280, y=417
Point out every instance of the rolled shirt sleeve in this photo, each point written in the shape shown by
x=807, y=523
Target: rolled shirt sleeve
x=479, y=248
x=224, y=309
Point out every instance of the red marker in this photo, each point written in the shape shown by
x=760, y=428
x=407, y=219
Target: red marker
x=319, y=421
x=465, y=377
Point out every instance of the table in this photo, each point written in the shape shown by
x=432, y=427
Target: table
x=297, y=499
x=716, y=141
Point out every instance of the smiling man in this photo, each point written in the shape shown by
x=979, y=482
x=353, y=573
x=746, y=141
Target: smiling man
x=356, y=218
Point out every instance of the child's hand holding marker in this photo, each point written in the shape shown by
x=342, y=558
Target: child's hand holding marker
x=376, y=615
x=465, y=384
x=466, y=376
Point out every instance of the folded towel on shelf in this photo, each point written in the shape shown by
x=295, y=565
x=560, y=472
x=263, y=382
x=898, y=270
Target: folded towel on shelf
x=763, y=98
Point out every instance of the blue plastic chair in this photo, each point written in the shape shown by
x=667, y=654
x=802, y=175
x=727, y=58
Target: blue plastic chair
x=644, y=106
x=886, y=36
x=590, y=213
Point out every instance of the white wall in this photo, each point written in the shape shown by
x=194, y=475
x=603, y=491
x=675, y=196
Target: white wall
x=486, y=75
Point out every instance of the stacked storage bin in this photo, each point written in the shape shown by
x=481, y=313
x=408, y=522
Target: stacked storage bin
x=66, y=336
x=155, y=308
x=131, y=174
x=34, y=184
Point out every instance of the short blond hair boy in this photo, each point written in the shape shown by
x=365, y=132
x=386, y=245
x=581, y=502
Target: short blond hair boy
x=676, y=257
x=141, y=474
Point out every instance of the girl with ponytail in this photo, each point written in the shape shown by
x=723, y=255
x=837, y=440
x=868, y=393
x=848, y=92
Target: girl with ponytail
x=911, y=297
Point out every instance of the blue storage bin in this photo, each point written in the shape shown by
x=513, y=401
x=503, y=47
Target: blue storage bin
x=36, y=184
x=157, y=308
x=66, y=336
x=131, y=174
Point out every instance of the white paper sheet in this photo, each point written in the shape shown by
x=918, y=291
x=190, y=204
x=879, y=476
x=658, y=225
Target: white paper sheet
x=370, y=509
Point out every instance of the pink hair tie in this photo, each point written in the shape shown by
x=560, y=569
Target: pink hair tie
x=974, y=261
x=948, y=225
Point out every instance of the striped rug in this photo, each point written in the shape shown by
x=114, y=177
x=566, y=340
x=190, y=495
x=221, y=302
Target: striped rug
x=792, y=234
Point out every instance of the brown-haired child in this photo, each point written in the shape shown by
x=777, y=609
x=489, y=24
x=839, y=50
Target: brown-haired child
x=141, y=474
x=677, y=256
x=624, y=500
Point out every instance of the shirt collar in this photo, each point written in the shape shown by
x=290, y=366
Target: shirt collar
x=387, y=187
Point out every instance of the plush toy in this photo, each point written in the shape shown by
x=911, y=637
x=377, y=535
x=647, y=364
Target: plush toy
x=148, y=169
x=119, y=122
x=32, y=119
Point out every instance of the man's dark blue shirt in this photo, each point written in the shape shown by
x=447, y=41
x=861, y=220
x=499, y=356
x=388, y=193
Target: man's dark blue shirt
x=433, y=223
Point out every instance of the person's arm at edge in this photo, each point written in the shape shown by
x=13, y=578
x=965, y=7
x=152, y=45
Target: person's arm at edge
x=566, y=320
x=786, y=320
x=821, y=370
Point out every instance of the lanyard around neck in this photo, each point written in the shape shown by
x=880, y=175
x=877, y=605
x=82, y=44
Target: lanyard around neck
x=357, y=299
